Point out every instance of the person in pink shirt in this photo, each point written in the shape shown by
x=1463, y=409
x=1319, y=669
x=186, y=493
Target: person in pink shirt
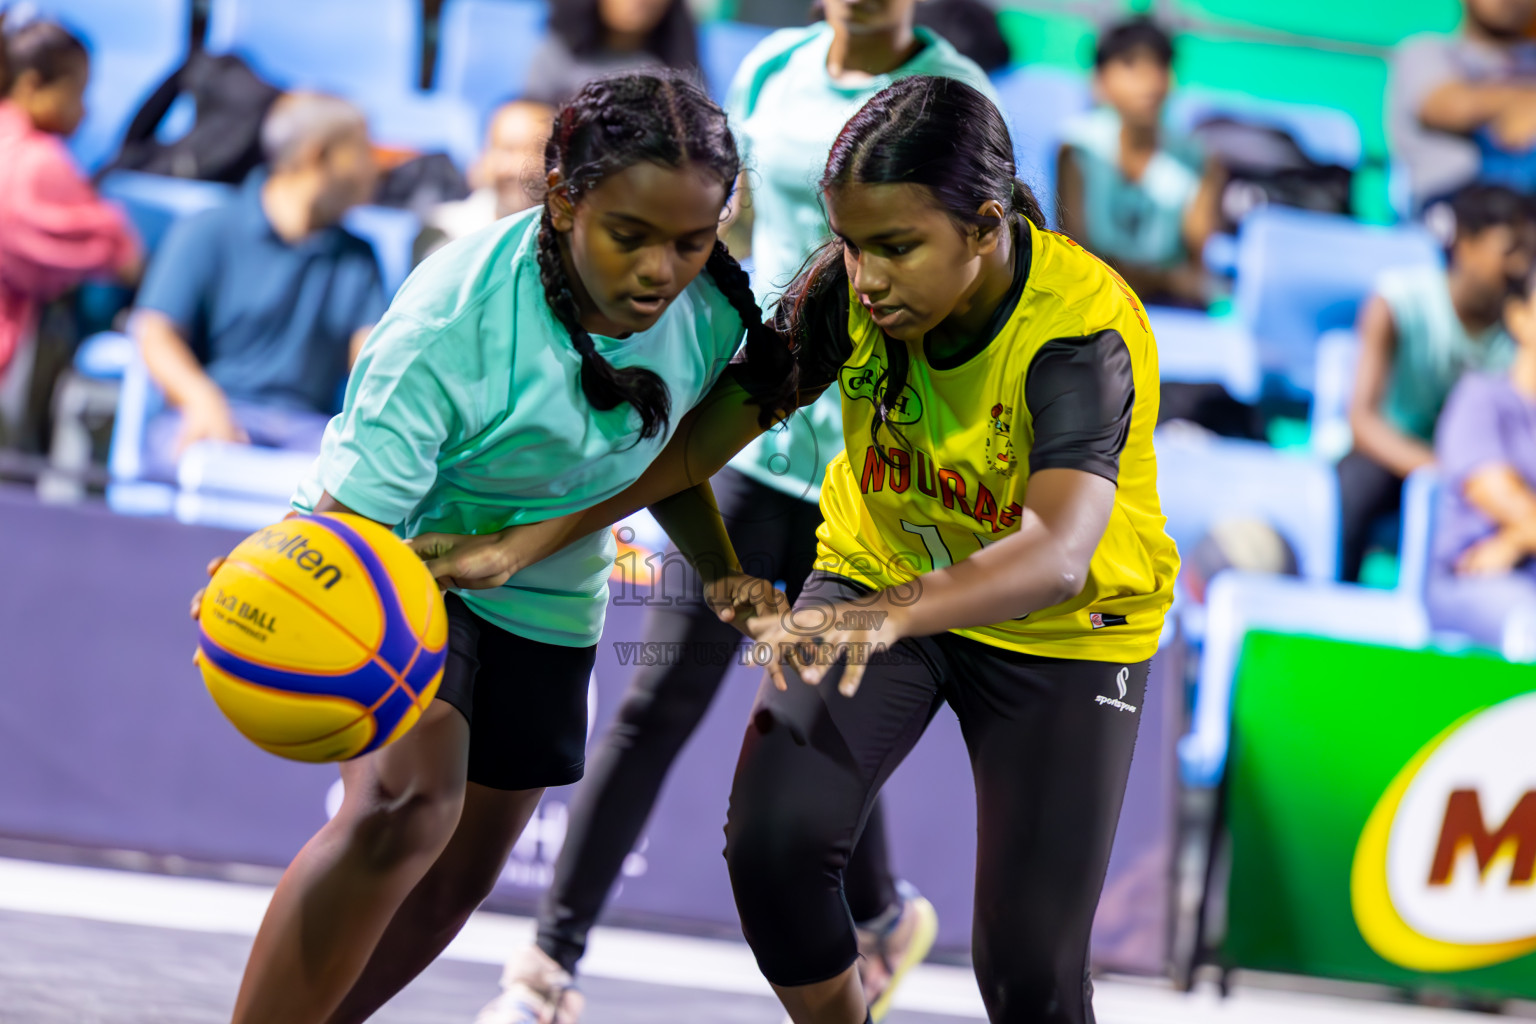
x=55, y=231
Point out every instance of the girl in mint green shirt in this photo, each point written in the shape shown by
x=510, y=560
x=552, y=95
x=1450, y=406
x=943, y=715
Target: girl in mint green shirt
x=533, y=369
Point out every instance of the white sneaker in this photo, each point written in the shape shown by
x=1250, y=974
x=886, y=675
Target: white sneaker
x=534, y=990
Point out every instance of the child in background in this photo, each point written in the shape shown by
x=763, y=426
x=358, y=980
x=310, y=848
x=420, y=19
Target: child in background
x=1137, y=198
x=1422, y=330
x=55, y=231
x=1484, y=562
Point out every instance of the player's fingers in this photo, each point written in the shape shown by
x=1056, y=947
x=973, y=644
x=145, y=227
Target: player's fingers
x=853, y=675
x=213, y=566
x=196, y=610
x=775, y=669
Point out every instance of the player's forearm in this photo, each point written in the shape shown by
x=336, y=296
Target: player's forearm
x=706, y=439
x=1021, y=574
x=692, y=520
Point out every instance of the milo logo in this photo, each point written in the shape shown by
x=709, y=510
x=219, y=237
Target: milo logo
x=859, y=382
x=1442, y=875
x=295, y=546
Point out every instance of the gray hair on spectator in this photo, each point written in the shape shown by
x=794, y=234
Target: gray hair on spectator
x=301, y=119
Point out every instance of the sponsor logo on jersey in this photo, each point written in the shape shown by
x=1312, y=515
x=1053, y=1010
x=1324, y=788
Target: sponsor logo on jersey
x=1118, y=703
x=999, y=442
x=859, y=382
x=1442, y=874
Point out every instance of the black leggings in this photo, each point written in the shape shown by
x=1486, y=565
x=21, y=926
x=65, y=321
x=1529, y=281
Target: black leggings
x=775, y=537
x=1050, y=743
x=1367, y=491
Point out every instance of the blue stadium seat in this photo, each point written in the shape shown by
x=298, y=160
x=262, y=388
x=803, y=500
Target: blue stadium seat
x=1327, y=135
x=365, y=50
x=391, y=232
x=1037, y=101
x=134, y=46
x=1239, y=602
x=1193, y=348
x=723, y=45
x=1332, y=386
x=1300, y=274
x=485, y=48
x=154, y=202
x=1203, y=479
x=1421, y=493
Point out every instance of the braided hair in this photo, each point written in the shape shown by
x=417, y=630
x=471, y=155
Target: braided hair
x=936, y=132
x=663, y=118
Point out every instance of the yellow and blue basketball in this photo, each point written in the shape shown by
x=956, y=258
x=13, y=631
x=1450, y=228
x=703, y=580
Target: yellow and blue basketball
x=323, y=637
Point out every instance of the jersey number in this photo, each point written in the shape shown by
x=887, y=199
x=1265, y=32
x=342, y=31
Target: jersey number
x=938, y=551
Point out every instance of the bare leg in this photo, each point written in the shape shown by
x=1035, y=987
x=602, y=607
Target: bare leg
x=442, y=901
x=838, y=1000
x=340, y=893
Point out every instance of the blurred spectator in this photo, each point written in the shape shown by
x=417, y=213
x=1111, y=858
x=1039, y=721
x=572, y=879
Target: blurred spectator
x=971, y=27
x=506, y=179
x=1485, y=532
x=1419, y=333
x=54, y=229
x=588, y=38
x=792, y=95
x=1138, y=198
x=251, y=313
x=1462, y=107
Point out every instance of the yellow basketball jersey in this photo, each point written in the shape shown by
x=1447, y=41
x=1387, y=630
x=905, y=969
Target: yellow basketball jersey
x=959, y=482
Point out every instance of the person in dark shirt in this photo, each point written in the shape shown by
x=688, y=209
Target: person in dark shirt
x=251, y=313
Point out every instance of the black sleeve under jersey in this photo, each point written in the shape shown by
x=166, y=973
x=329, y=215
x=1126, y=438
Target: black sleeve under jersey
x=820, y=342
x=1079, y=392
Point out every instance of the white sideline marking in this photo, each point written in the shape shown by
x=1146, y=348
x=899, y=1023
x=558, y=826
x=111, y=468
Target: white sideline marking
x=232, y=908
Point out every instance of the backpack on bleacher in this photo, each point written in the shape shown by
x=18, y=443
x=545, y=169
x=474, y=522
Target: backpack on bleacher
x=224, y=143
x=1267, y=166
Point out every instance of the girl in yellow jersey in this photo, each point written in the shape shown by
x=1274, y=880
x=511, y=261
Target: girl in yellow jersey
x=992, y=539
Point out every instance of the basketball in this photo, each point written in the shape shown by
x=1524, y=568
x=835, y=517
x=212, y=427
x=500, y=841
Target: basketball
x=323, y=637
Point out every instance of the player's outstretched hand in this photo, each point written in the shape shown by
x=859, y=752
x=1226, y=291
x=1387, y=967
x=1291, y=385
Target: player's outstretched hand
x=744, y=600
x=818, y=635
x=464, y=561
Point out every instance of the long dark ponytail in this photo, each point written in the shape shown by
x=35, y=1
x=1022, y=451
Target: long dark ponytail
x=613, y=123
x=936, y=132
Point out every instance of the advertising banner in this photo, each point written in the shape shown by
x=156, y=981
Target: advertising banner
x=1382, y=812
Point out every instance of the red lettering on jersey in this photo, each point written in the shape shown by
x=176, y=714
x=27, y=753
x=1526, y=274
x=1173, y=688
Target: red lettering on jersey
x=901, y=474
x=874, y=471
x=1010, y=516
x=925, y=477
x=952, y=487
x=986, y=507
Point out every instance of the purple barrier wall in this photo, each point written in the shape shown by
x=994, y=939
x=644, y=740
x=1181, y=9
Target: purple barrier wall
x=107, y=739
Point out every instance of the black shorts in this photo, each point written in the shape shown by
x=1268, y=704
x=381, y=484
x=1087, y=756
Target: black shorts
x=525, y=701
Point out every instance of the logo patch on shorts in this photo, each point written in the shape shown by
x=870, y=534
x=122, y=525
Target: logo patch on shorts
x=1121, y=678
x=1099, y=620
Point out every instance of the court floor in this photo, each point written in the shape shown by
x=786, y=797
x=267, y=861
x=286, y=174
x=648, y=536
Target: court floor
x=83, y=945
